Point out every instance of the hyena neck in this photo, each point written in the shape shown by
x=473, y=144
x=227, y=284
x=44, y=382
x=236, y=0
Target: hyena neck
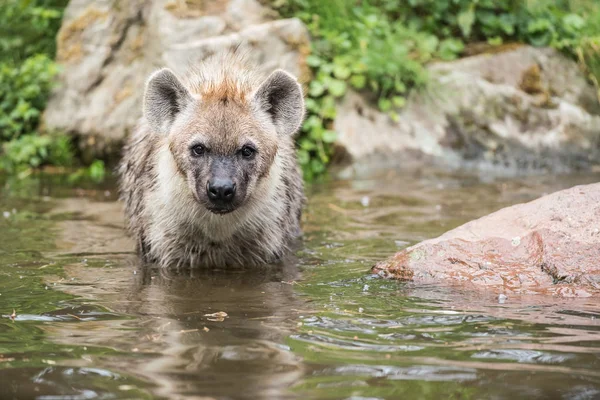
x=177, y=209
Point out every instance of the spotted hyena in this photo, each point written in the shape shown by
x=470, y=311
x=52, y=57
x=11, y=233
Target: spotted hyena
x=210, y=175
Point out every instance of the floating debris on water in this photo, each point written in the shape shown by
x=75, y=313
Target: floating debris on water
x=365, y=201
x=217, y=317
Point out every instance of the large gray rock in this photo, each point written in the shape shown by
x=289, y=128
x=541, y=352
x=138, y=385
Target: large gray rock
x=107, y=50
x=527, y=108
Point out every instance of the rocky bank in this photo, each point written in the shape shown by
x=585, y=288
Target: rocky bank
x=523, y=109
x=520, y=109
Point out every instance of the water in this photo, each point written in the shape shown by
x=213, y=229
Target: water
x=89, y=323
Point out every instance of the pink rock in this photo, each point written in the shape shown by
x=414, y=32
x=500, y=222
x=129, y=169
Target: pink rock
x=548, y=246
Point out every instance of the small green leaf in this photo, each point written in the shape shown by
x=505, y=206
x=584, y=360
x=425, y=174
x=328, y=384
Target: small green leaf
x=328, y=107
x=317, y=166
x=303, y=157
x=313, y=61
x=341, y=72
x=97, y=171
x=450, y=48
x=399, y=101
x=374, y=85
x=399, y=86
x=312, y=122
x=573, y=22
x=337, y=88
x=311, y=105
x=358, y=67
x=384, y=104
x=429, y=44
x=465, y=21
x=358, y=81
x=326, y=69
x=316, y=89
x=495, y=41
x=307, y=145
x=329, y=136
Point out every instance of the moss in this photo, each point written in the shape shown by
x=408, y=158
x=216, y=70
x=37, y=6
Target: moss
x=137, y=44
x=122, y=94
x=588, y=55
x=195, y=8
x=531, y=80
x=532, y=84
x=69, y=37
x=306, y=74
x=473, y=49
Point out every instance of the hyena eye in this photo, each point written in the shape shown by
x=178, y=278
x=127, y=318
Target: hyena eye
x=198, y=150
x=247, y=151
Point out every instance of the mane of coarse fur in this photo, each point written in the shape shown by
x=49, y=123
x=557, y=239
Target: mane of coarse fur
x=223, y=77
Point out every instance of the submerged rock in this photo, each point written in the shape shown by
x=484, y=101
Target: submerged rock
x=523, y=109
x=548, y=246
x=107, y=49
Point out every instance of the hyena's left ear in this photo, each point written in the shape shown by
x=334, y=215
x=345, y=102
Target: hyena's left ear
x=280, y=96
x=165, y=97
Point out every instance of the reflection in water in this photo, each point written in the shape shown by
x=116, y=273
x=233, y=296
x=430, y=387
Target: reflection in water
x=192, y=333
x=92, y=323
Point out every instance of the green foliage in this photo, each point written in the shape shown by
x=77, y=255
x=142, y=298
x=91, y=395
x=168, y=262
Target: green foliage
x=380, y=47
x=353, y=46
x=587, y=49
x=24, y=91
x=96, y=173
x=27, y=71
x=33, y=150
x=28, y=27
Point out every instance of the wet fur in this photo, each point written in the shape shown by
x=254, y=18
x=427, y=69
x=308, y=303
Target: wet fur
x=163, y=212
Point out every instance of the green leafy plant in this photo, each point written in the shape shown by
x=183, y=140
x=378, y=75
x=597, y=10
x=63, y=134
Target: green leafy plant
x=28, y=27
x=27, y=71
x=33, y=150
x=353, y=46
x=96, y=172
x=24, y=91
x=381, y=47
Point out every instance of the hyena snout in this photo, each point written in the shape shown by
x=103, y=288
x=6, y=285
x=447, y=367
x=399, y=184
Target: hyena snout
x=223, y=188
x=220, y=191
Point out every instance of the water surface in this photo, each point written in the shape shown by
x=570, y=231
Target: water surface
x=90, y=323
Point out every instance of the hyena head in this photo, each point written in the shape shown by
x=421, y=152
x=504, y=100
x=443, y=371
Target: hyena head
x=222, y=129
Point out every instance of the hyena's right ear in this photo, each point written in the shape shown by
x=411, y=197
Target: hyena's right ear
x=165, y=97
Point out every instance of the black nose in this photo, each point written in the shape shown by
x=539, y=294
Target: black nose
x=220, y=190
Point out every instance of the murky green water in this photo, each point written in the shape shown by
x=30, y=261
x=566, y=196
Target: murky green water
x=89, y=323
